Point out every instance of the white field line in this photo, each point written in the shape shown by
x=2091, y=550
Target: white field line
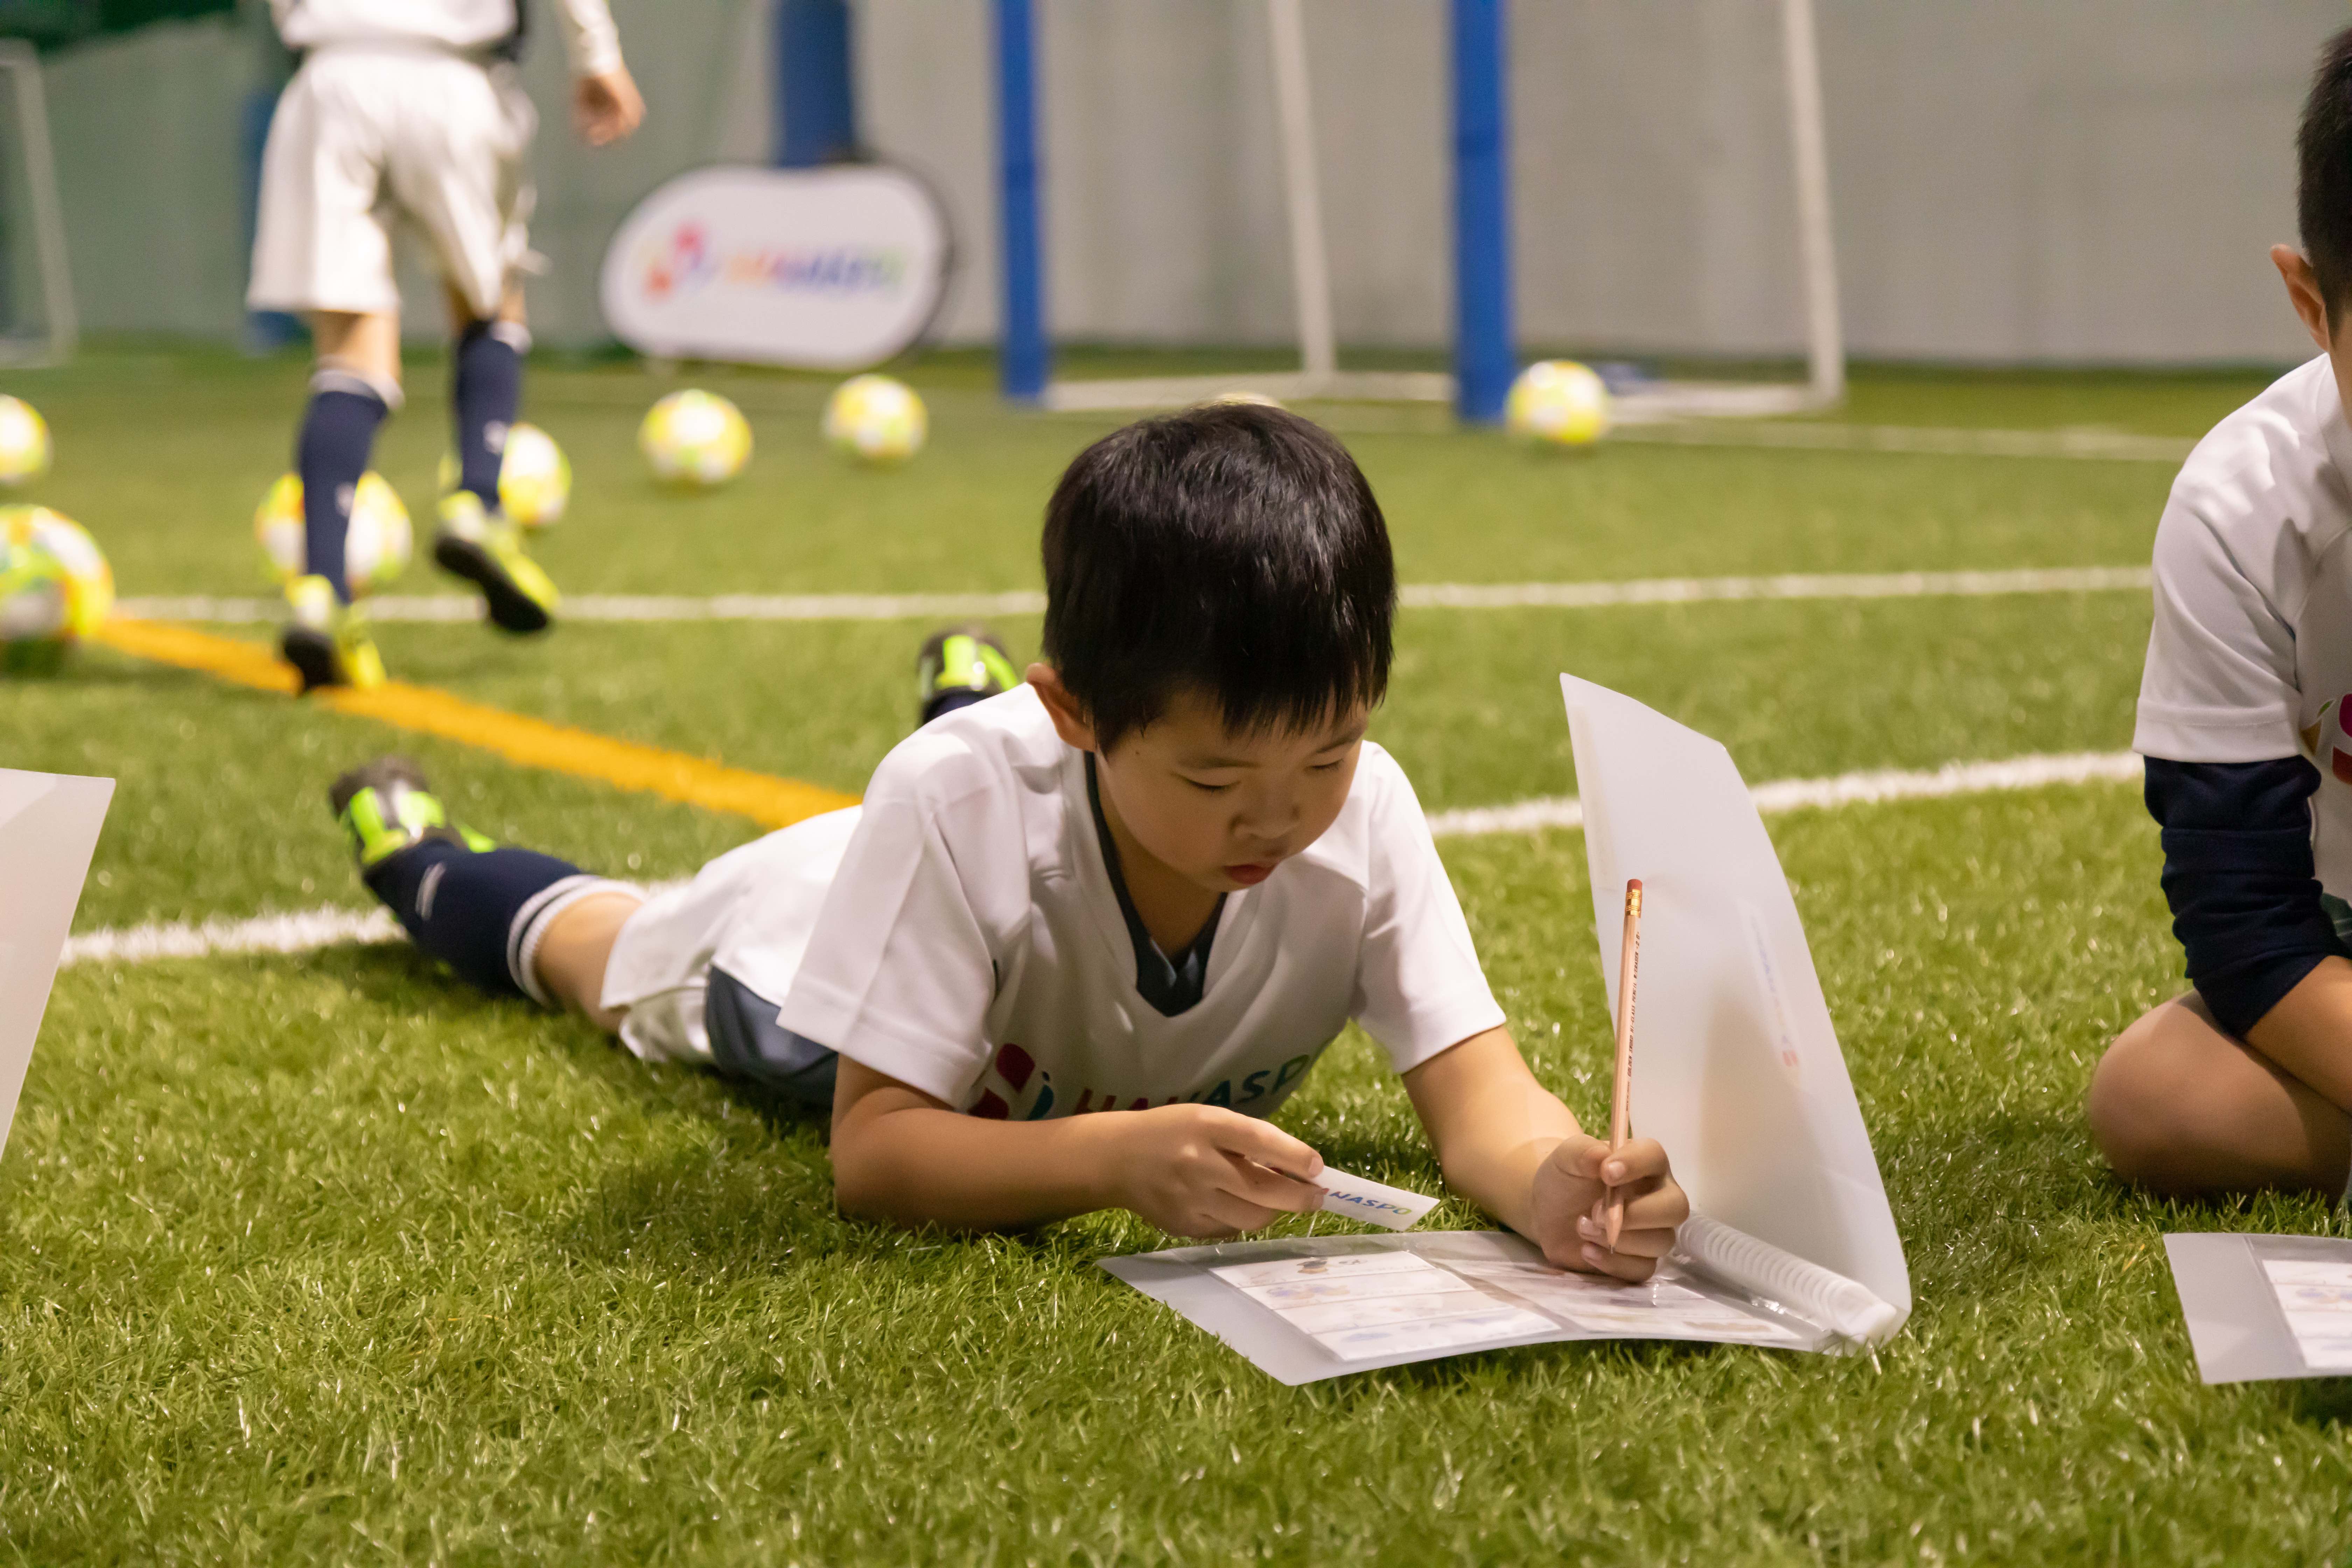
x=1843, y=789
x=1413, y=595
x=320, y=928
x=2098, y=445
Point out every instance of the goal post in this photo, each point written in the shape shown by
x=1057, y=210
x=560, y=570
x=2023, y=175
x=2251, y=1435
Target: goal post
x=37, y=321
x=1485, y=343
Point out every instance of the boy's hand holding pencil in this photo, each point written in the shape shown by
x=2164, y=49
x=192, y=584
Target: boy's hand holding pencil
x=1628, y=1220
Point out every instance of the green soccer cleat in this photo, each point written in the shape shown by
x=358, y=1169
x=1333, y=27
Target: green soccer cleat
x=488, y=552
x=386, y=806
x=327, y=642
x=963, y=660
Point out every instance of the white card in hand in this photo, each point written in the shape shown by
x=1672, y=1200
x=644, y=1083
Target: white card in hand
x=1374, y=1202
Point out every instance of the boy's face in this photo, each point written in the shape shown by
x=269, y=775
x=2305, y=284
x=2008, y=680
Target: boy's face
x=1219, y=809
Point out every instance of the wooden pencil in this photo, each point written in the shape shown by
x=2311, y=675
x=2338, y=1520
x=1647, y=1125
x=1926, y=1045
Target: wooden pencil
x=1621, y=1098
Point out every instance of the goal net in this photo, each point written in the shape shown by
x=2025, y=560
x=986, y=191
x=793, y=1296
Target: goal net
x=1673, y=207
x=37, y=309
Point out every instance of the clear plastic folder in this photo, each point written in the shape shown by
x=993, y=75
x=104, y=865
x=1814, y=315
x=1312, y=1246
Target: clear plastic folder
x=48, y=827
x=1736, y=1070
x=2265, y=1307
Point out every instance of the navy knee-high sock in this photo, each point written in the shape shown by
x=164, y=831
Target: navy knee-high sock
x=486, y=388
x=331, y=453
x=461, y=905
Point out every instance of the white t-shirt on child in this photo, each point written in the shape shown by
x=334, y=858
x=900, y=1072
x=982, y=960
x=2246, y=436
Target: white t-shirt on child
x=2249, y=658
x=959, y=933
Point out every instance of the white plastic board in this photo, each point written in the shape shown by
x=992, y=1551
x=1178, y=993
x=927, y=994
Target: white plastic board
x=1737, y=1068
x=49, y=826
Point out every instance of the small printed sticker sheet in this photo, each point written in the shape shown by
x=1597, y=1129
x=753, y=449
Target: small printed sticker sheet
x=1387, y=1304
x=2317, y=1297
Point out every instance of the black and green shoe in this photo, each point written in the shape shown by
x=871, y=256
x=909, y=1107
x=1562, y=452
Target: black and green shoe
x=960, y=665
x=386, y=806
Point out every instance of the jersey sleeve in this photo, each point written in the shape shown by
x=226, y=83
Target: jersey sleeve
x=900, y=971
x=1419, y=988
x=591, y=42
x=2220, y=683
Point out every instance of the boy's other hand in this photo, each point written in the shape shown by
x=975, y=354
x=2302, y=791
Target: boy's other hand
x=1206, y=1172
x=1572, y=1189
x=606, y=107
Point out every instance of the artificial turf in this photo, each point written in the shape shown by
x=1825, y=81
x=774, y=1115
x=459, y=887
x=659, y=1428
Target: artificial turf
x=320, y=1258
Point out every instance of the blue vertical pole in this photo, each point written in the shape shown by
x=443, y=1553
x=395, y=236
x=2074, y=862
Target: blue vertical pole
x=817, y=116
x=1023, y=359
x=1486, y=354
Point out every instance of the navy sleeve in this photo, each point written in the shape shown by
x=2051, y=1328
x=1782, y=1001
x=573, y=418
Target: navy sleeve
x=2238, y=875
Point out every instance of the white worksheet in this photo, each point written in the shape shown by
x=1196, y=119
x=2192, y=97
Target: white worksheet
x=1320, y=1306
x=2317, y=1297
x=49, y=826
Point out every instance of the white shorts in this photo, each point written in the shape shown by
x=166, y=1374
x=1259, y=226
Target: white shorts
x=364, y=137
x=751, y=912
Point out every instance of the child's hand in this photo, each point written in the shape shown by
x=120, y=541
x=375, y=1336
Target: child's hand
x=605, y=108
x=1204, y=1171
x=1571, y=1192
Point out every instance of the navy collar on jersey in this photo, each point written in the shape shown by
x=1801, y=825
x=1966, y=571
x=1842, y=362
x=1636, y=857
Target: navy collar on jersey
x=1171, y=986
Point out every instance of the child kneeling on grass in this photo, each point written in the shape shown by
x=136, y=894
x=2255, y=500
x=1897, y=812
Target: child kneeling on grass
x=2245, y=718
x=1155, y=879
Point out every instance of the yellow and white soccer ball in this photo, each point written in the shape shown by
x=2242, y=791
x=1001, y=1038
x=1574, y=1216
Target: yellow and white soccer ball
x=695, y=437
x=875, y=419
x=1558, y=401
x=376, y=546
x=534, y=476
x=56, y=587
x=24, y=442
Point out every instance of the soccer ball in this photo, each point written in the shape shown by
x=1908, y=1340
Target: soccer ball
x=875, y=419
x=534, y=476
x=695, y=437
x=90, y=581
x=376, y=545
x=54, y=588
x=1560, y=402
x=35, y=616
x=24, y=442
x=1243, y=396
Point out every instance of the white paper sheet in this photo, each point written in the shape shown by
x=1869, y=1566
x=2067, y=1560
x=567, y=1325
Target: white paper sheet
x=2317, y=1297
x=49, y=826
x=1318, y=1307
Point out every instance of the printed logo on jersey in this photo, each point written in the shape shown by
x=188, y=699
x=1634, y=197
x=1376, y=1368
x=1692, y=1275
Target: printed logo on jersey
x=1028, y=1095
x=2329, y=739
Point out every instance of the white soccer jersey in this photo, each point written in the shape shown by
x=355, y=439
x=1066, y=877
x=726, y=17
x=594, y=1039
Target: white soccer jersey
x=590, y=40
x=959, y=933
x=2249, y=658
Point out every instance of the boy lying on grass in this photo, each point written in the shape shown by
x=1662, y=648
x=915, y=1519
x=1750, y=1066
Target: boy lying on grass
x=2245, y=718
x=1154, y=879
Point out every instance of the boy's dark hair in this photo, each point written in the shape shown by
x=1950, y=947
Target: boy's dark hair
x=2322, y=194
x=1233, y=548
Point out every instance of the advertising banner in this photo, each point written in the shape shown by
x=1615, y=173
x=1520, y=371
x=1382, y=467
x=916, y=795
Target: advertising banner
x=832, y=269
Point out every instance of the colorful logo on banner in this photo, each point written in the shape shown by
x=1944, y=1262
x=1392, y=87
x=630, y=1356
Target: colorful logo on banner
x=835, y=268
x=687, y=261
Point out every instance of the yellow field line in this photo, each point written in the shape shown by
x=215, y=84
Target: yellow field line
x=534, y=743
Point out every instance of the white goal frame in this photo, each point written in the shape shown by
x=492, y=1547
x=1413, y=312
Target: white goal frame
x=1318, y=376
x=61, y=328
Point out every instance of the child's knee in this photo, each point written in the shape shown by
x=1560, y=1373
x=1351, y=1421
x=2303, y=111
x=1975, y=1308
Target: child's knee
x=2145, y=1098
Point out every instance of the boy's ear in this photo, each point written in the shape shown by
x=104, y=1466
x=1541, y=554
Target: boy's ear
x=1069, y=719
x=2303, y=291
